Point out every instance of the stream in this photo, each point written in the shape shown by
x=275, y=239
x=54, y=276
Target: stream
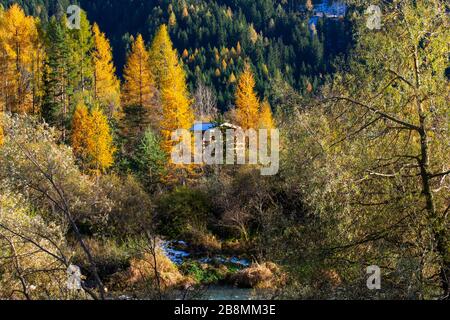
x=216, y=291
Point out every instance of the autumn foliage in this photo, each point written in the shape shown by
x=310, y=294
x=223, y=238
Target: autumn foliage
x=106, y=83
x=91, y=139
x=247, y=103
x=171, y=81
x=138, y=87
x=19, y=50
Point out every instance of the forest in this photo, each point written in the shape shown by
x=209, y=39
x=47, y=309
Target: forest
x=93, y=206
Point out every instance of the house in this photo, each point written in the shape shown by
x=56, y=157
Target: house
x=205, y=126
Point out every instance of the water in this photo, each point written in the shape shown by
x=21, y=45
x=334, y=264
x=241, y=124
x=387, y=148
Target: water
x=177, y=252
x=178, y=256
x=227, y=293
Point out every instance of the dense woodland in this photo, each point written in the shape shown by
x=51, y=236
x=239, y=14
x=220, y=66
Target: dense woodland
x=86, y=179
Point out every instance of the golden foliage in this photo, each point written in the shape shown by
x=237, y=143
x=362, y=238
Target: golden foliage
x=18, y=51
x=247, y=103
x=171, y=81
x=138, y=87
x=106, y=84
x=265, y=116
x=92, y=141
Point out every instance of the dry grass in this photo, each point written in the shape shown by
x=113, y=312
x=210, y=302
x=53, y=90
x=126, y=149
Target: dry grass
x=259, y=276
x=202, y=241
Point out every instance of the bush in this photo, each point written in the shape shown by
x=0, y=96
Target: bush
x=181, y=210
x=131, y=207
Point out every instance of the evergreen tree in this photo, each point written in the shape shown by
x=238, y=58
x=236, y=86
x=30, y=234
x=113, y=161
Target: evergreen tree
x=151, y=160
x=58, y=81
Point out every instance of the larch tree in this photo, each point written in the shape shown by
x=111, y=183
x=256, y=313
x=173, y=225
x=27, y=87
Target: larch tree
x=247, y=103
x=106, y=88
x=81, y=46
x=265, y=116
x=101, y=147
x=81, y=132
x=18, y=39
x=138, y=96
x=138, y=86
x=92, y=140
x=171, y=81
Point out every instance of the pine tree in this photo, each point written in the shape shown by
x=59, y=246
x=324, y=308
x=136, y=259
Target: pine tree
x=58, y=76
x=151, y=160
x=161, y=52
x=138, y=87
x=106, y=84
x=247, y=103
x=239, y=48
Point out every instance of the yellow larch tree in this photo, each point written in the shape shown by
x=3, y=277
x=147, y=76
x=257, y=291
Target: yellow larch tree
x=101, y=146
x=247, y=103
x=92, y=141
x=81, y=132
x=171, y=81
x=18, y=38
x=106, y=83
x=265, y=116
x=138, y=87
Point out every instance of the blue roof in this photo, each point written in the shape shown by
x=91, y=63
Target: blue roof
x=204, y=126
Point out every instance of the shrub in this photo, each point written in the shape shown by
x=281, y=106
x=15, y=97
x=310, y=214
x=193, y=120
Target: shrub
x=131, y=207
x=181, y=210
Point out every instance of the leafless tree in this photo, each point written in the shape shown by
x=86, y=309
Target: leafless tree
x=205, y=103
